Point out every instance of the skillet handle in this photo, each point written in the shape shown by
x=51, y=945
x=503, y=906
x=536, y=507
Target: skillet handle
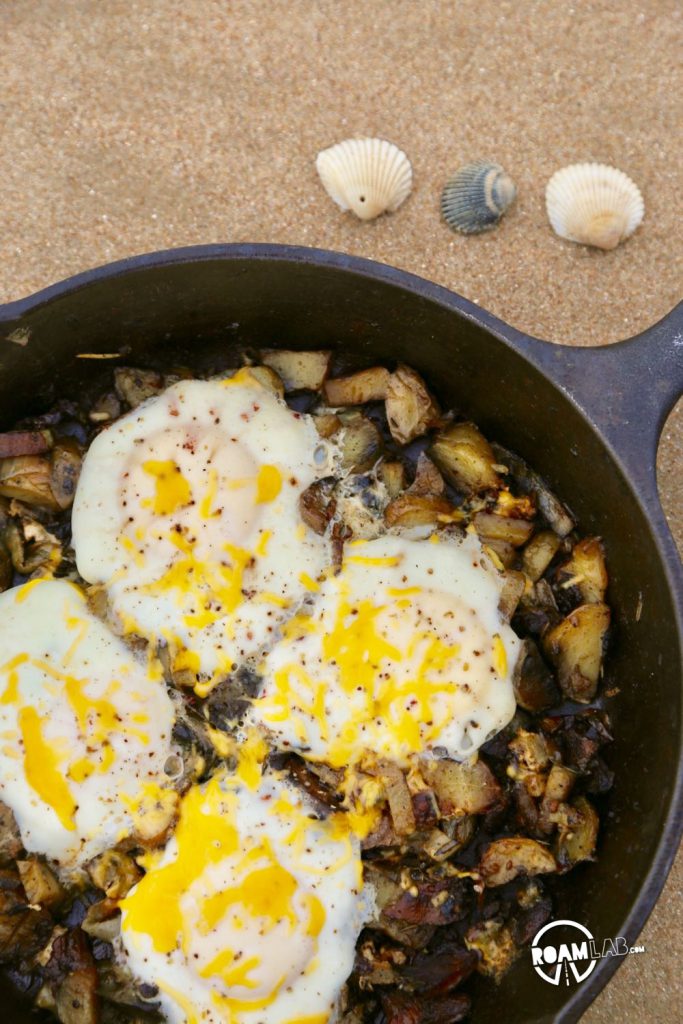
x=626, y=389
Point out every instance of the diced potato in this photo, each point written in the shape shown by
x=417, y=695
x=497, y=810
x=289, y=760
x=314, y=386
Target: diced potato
x=428, y=480
x=530, y=750
x=40, y=884
x=115, y=873
x=66, y=461
x=462, y=788
x=576, y=646
x=410, y=408
x=268, y=378
x=514, y=585
x=416, y=510
x=505, y=859
x=579, y=843
x=361, y=443
x=533, y=682
x=539, y=553
x=398, y=796
x=135, y=386
x=393, y=476
x=364, y=386
x=103, y=920
x=490, y=527
x=496, y=947
x=466, y=459
x=558, y=787
x=327, y=424
x=500, y=553
x=76, y=1000
x=28, y=478
x=587, y=568
x=10, y=839
x=299, y=371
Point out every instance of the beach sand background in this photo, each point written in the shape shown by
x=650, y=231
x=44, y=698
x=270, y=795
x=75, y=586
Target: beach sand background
x=132, y=126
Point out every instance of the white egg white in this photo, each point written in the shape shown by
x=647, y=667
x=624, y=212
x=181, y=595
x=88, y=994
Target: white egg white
x=85, y=729
x=404, y=652
x=251, y=913
x=187, y=511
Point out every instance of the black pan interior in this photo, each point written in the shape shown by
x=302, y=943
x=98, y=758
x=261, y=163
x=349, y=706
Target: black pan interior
x=193, y=313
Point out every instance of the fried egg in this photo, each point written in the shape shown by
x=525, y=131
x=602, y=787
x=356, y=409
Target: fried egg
x=405, y=652
x=187, y=512
x=85, y=729
x=252, y=912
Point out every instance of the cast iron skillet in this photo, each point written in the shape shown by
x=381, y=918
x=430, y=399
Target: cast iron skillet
x=588, y=419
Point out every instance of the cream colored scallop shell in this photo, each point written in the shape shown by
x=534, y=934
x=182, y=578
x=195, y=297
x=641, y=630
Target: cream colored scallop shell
x=593, y=204
x=368, y=176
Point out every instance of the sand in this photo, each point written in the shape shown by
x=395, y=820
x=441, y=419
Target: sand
x=133, y=126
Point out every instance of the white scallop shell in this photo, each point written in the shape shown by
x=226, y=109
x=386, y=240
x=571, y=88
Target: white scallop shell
x=593, y=204
x=368, y=176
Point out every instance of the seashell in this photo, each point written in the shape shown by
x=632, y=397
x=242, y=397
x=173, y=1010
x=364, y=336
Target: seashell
x=593, y=204
x=476, y=197
x=368, y=176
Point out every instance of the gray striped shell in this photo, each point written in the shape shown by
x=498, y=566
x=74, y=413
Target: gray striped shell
x=476, y=197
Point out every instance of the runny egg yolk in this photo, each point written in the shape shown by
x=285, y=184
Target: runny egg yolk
x=84, y=725
x=405, y=651
x=186, y=513
x=255, y=895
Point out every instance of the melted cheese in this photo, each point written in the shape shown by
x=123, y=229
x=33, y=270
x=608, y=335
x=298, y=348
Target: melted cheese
x=186, y=512
x=257, y=896
x=404, y=651
x=86, y=727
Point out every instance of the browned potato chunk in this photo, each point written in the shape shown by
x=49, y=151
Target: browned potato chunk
x=66, y=461
x=533, y=682
x=586, y=569
x=115, y=873
x=502, y=554
x=539, y=553
x=268, y=378
x=576, y=646
x=41, y=886
x=76, y=1000
x=531, y=758
x=490, y=527
x=416, y=510
x=466, y=459
x=559, y=785
x=102, y=920
x=578, y=843
x=364, y=386
x=398, y=796
x=299, y=371
x=462, y=788
x=29, y=479
x=10, y=840
x=327, y=424
x=388, y=891
x=361, y=443
x=514, y=586
x=393, y=476
x=505, y=859
x=135, y=386
x=410, y=408
x=497, y=949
